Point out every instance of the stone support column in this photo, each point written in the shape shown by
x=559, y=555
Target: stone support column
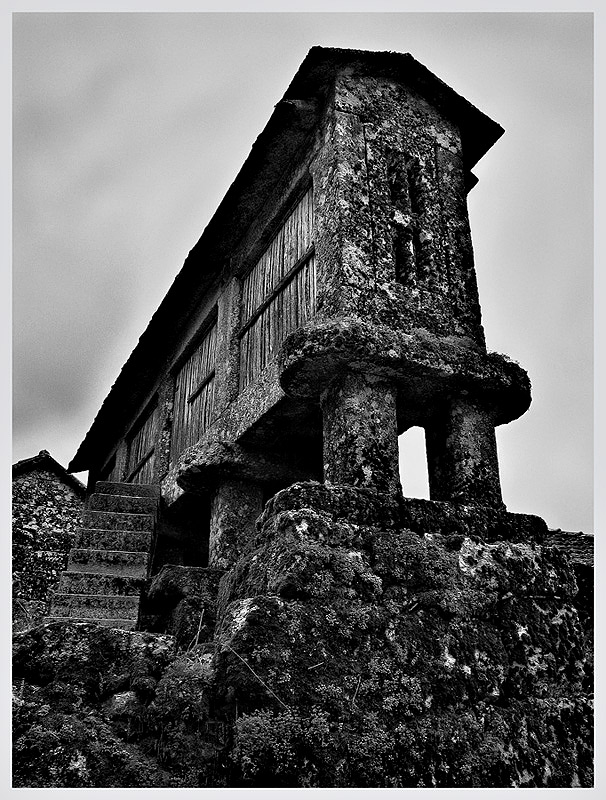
x=164, y=417
x=227, y=358
x=462, y=455
x=360, y=433
x=234, y=508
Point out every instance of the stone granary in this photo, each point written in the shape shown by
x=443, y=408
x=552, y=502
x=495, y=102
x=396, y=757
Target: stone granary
x=323, y=628
x=330, y=304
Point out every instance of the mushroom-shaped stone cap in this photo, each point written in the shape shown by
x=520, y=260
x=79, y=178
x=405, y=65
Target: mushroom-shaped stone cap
x=425, y=368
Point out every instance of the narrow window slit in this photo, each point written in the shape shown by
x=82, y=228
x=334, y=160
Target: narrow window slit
x=405, y=184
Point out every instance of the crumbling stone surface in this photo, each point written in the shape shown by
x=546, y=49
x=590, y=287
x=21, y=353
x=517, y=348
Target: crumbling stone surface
x=360, y=433
x=483, y=522
x=27, y=613
x=360, y=657
x=234, y=508
x=391, y=194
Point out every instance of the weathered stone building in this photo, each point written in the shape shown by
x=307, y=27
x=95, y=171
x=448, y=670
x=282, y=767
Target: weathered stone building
x=244, y=483
x=47, y=504
x=330, y=305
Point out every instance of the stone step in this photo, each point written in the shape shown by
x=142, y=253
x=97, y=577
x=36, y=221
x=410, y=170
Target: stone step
x=91, y=583
x=99, y=539
x=123, y=624
x=113, y=520
x=108, y=562
x=133, y=489
x=124, y=503
x=87, y=606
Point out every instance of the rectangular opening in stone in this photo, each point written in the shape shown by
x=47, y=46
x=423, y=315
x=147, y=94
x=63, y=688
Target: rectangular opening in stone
x=279, y=293
x=413, y=463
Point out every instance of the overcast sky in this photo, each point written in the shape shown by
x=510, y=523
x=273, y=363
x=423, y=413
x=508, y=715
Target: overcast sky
x=129, y=128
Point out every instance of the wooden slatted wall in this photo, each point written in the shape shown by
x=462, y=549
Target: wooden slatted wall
x=279, y=293
x=194, y=395
x=141, y=452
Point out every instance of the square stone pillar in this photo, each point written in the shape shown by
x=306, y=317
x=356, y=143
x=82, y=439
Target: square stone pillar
x=227, y=354
x=360, y=433
x=234, y=509
x=462, y=455
x=342, y=220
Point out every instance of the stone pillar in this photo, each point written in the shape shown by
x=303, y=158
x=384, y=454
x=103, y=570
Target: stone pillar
x=227, y=357
x=164, y=419
x=342, y=219
x=462, y=455
x=360, y=433
x=234, y=508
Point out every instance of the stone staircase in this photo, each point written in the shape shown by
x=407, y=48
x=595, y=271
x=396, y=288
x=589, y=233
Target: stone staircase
x=110, y=558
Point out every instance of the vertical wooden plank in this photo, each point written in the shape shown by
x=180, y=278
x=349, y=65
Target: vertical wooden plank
x=293, y=305
x=192, y=415
x=141, y=443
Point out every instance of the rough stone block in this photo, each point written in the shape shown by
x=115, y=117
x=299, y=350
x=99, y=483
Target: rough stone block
x=401, y=659
x=88, y=583
x=99, y=539
x=82, y=606
x=108, y=520
x=113, y=562
x=123, y=503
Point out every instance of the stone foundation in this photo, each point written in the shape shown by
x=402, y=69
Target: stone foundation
x=350, y=650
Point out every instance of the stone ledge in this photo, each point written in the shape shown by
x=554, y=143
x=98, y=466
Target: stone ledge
x=212, y=462
x=341, y=502
x=370, y=508
x=424, y=367
x=484, y=522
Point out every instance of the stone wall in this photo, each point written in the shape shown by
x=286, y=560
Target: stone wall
x=46, y=510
